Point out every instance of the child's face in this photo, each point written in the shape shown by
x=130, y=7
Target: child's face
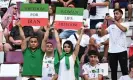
x=93, y=59
x=67, y=48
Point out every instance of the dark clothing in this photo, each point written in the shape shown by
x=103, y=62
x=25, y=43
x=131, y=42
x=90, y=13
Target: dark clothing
x=121, y=0
x=38, y=1
x=81, y=3
x=113, y=62
x=28, y=31
x=93, y=23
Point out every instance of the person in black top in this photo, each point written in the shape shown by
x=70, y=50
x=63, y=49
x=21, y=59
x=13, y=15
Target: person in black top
x=15, y=39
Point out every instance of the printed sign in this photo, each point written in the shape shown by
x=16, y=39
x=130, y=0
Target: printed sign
x=34, y=14
x=69, y=18
x=9, y=70
x=104, y=67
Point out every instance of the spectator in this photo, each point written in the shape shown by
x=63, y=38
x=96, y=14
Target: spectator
x=83, y=44
x=68, y=62
x=99, y=40
x=15, y=39
x=91, y=70
x=117, y=43
x=130, y=75
x=9, y=19
x=97, y=9
x=48, y=59
x=33, y=57
x=124, y=4
x=52, y=9
x=66, y=33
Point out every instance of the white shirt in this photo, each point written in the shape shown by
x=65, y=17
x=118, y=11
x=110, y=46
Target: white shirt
x=84, y=41
x=64, y=73
x=99, y=40
x=51, y=19
x=100, y=10
x=92, y=71
x=48, y=68
x=117, y=38
x=126, y=77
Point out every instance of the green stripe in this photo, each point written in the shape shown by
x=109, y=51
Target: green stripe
x=34, y=7
x=69, y=11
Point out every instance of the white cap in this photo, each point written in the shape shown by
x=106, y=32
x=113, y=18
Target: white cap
x=99, y=25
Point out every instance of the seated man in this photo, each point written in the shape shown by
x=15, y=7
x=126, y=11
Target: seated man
x=100, y=41
x=15, y=39
x=124, y=4
x=91, y=70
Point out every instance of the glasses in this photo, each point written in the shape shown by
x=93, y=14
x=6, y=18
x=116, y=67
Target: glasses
x=15, y=8
x=98, y=28
x=49, y=46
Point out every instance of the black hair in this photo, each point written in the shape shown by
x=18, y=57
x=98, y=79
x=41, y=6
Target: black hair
x=118, y=10
x=53, y=7
x=130, y=66
x=48, y=42
x=31, y=79
x=93, y=52
x=71, y=3
x=34, y=36
x=69, y=43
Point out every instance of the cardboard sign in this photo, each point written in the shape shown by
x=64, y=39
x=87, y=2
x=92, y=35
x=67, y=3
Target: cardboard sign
x=34, y=14
x=9, y=70
x=104, y=67
x=69, y=18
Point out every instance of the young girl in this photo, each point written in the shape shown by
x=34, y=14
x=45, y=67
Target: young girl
x=66, y=62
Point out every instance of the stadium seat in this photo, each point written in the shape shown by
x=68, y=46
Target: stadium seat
x=9, y=70
x=1, y=57
x=14, y=57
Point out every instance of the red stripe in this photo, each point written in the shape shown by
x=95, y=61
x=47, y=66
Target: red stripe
x=68, y=25
x=34, y=21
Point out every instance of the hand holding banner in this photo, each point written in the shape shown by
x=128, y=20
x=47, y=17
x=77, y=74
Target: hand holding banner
x=34, y=14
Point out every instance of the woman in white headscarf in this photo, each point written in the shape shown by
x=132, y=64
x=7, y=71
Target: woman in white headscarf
x=9, y=19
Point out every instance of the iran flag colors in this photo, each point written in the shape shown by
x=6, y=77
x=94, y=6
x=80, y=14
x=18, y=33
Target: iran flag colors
x=34, y=14
x=69, y=18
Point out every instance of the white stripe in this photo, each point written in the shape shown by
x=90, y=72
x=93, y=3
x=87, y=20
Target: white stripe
x=30, y=14
x=73, y=18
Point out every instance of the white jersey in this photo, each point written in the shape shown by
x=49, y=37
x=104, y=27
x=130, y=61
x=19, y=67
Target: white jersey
x=126, y=77
x=64, y=73
x=117, y=38
x=92, y=71
x=48, y=68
